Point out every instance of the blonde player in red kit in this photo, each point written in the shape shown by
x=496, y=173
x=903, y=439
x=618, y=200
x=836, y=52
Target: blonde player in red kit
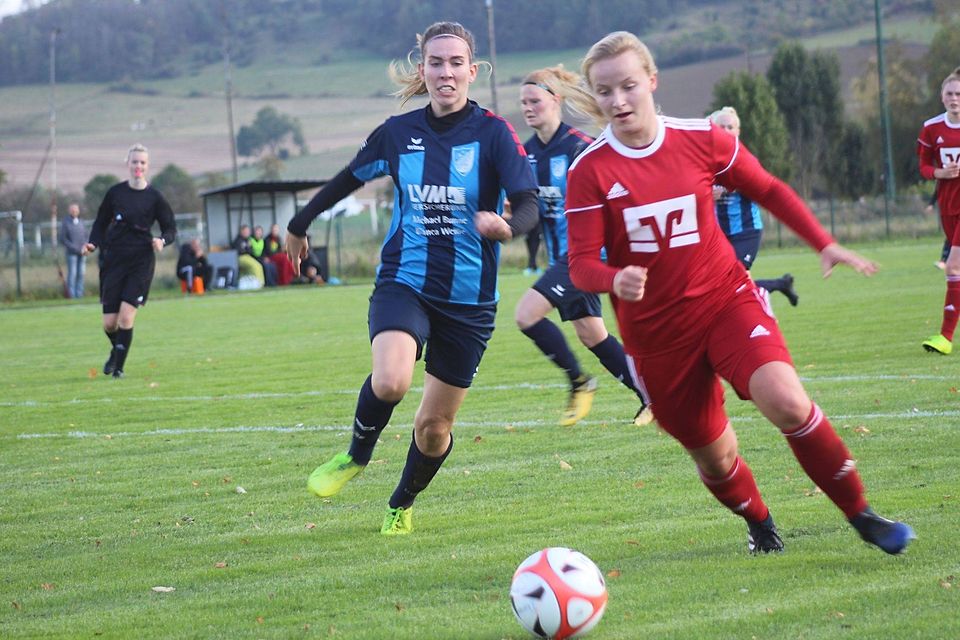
x=938, y=147
x=688, y=312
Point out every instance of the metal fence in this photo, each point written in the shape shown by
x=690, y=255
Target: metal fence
x=31, y=262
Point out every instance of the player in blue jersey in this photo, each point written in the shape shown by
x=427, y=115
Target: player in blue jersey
x=550, y=151
x=451, y=163
x=740, y=219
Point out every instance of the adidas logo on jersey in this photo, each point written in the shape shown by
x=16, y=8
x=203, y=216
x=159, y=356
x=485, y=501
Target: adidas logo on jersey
x=939, y=139
x=617, y=191
x=759, y=331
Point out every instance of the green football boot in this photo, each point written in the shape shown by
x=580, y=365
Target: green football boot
x=938, y=344
x=327, y=479
x=398, y=522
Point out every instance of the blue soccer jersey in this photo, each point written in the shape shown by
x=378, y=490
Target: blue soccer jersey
x=550, y=163
x=737, y=213
x=441, y=180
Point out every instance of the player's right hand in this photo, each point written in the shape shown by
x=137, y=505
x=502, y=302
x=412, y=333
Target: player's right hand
x=88, y=248
x=297, y=248
x=630, y=282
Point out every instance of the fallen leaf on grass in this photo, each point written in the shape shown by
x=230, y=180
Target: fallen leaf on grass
x=259, y=619
x=48, y=586
x=16, y=605
x=398, y=606
x=635, y=543
x=240, y=489
x=565, y=465
x=478, y=438
x=861, y=429
x=220, y=565
x=163, y=589
x=310, y=525
x=639, y=484
x=613, y=573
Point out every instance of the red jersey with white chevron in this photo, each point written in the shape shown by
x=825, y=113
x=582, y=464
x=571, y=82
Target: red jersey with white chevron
x=653, y=207
x=937, y=145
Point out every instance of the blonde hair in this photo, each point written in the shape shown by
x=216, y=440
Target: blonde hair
x=137, y=148
x=610, y=46
x=559, y=82
x=953, y=77
x=405, y=75
x=725, y=111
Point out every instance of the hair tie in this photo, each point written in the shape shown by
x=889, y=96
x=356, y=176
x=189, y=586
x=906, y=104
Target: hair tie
x=542, y=86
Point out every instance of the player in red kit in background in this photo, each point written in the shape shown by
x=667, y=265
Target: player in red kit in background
x=938, y=146
x=688, y=312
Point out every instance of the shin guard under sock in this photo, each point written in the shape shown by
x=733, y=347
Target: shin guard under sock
x=825, y=458
x=738, y=492
x=370, y=419
x=417, y=474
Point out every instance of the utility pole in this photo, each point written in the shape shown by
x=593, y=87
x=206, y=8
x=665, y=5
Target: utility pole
x=493, y=56
x=890, y=190
x=53, y=136
x=229, y=92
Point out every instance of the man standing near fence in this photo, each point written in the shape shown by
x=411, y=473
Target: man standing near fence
x=73, y=235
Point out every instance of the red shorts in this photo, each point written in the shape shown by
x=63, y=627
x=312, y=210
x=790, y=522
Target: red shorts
x=684, y=386
x=951, y=228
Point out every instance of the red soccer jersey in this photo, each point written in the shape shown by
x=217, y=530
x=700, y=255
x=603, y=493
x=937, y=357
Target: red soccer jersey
x=937, y=145
x=653, y=207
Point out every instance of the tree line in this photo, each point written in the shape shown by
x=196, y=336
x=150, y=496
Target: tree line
x=123, y=40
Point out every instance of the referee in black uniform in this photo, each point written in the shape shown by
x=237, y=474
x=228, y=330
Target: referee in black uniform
x=122, y=231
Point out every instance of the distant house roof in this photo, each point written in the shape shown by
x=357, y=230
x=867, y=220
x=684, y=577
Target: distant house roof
x=258, y=186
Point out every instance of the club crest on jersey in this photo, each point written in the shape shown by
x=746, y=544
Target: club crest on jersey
x=558, y=166
x=463, y=159
x=672, y=222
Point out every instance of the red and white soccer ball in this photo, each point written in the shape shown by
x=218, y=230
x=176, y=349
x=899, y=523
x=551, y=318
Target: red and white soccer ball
x=558, y=593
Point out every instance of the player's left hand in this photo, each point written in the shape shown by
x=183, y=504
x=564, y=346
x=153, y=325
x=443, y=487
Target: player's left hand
x=158, y=244
x=492, y=226
x=834, y=254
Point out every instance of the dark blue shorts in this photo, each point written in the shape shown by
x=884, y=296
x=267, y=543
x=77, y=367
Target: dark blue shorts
x=746, y=245
x=126, y=277
x=572, y=303
x=455, y=335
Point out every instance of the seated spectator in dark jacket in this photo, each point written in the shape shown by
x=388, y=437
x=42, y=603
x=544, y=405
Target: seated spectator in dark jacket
x=192, y=267
x=273, y=243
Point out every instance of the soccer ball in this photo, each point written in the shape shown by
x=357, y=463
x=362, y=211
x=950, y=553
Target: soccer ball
x=558, y=593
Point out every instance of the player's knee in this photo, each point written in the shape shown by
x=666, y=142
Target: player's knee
x=433, y=433
x=790, y=411
x=525, y=318
x=390, y=387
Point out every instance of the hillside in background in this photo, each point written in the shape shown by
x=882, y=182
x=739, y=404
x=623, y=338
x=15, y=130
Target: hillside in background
x=131, y=40
x=337, y=100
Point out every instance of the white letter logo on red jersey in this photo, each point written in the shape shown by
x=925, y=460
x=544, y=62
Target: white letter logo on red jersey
x=949, y=155
x=673, y=220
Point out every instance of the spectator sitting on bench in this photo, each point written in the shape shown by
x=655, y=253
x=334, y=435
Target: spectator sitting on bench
x=192, y=268
x=248, y=265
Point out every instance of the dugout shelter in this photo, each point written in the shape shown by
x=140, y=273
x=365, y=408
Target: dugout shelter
x=254, y=203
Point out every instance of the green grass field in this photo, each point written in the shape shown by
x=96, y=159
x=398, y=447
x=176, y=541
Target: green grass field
x=111, y=488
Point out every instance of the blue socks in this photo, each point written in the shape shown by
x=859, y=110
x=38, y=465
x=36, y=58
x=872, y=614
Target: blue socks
x=549, y=339
x=371, y=418
x=417, y=474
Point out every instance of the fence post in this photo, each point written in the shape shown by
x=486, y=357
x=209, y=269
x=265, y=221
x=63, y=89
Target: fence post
x=833, y=230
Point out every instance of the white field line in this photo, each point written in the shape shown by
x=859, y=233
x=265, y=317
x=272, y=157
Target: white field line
x=473, y=390
x=345, y=429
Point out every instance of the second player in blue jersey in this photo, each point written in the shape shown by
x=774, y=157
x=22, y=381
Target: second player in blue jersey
x=551, y=151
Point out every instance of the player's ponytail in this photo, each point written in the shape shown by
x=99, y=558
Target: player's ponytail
x=405, y=75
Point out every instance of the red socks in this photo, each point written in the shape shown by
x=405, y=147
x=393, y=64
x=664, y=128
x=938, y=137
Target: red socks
x=738, y=492
x=951, y=308
x=826, y=460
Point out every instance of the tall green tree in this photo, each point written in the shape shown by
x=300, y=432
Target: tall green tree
x=762, y=127
x=178, y=188
x=807, y=90
x=96, y=189
x=271, y=131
